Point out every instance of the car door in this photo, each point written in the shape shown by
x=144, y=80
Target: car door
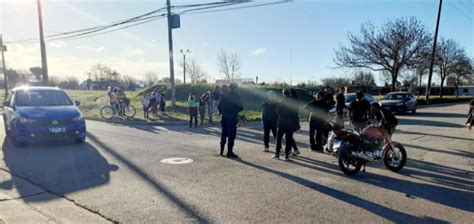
x=8, y=112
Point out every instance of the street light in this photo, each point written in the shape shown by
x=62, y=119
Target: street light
x=184, y=63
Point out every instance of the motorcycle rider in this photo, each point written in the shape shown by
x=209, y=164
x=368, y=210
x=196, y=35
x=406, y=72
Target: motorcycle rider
x=384, y=116
x=359, y=111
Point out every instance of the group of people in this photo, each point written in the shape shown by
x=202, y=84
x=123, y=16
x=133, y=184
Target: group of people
x=117, y=98
x=280, y=117
x=207, y=103
x=152, y=102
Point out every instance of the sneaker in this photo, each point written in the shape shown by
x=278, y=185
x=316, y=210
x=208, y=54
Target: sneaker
x=469, y=125
x=287, y=158
x=234, y=156
x=276, y=156
x=266, y=149
x=296, y=152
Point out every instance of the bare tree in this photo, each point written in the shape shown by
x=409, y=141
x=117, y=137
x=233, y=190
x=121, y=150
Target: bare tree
x=461, y=72
x=194, y=71
x=448, y=56
x=103, y=75
x=336, y=82
x=228, y=64
x=396, y=45
x=151, y=78
x=364, y=79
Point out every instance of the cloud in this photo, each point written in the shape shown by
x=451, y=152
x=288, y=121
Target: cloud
x=259, y=51
x=58, y=44
x=95, y=49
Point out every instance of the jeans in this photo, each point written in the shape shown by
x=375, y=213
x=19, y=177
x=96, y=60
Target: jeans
x=289, y=141
x=229, y=132
x=317, y=131
x=267, y=128
x=202, y=113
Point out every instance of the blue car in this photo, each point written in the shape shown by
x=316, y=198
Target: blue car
x=37, y=114
x=399, y=102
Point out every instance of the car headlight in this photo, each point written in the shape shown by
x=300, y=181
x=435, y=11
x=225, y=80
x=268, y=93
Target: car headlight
x=78, y=118
x=400, y=104
x=26, y=120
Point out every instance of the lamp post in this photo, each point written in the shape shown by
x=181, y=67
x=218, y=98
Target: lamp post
x=184, y=63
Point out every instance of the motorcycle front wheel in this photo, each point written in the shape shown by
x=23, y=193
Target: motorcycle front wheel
x=349, y=165
x=395, y=159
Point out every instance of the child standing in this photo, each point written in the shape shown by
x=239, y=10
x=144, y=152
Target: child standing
x=146, y=105
x=193, y=110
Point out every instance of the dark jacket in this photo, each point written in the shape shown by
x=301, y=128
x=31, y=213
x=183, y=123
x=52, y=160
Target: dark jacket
x=230, y=105
x=269, y=112
x=288, y=119
x=318, y=112
x=340, y=103
x=388, y=119
x=359, y=111
x=329, y=99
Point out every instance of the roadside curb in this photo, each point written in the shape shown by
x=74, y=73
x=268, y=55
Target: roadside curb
x=147, y=123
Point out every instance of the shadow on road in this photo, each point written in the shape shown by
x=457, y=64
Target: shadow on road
x=183, y=206
x=457, y=184
x=432, y=123
x=434, y=135
x=60, y=169
x=441, y=115
x=454, y=152
x=381, y=211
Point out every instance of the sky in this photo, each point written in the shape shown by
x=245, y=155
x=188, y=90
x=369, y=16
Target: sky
x=285, y=42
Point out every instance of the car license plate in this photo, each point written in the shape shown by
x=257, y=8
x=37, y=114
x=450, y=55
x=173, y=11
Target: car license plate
x=57, y=130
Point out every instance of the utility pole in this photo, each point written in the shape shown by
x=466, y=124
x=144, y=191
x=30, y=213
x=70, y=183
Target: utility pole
x=44, y=63
x=433, y=54
x=3, y=49
x=184, y=63
x=170, y=44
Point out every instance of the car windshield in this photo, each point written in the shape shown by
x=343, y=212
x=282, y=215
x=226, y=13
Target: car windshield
x=350, y=98
x=42, y=98
x=395, y=97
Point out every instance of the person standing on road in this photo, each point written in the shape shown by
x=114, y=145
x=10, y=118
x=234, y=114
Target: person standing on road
x=216, y=96
x=340, y=106
x=203, y=100
x=193, y=110
x=294, y=97
x=269, y=118
x=470, y=115
x=318, y=115
x=210, y=108
x=287, y=114
x=229, y=106
x=162, y=103
x=359, y=111
x=146, y=105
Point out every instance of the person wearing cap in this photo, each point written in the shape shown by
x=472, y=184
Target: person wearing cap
x=287, y=111
x=229, y=107
x=318, y=111
x=269, y=118
x=384, y=116
x=359, y=111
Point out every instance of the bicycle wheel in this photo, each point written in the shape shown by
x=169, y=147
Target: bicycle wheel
x=107, y=112
x=130, y=111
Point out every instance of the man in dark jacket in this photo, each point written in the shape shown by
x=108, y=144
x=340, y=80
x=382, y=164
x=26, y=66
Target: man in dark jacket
x=229, y=106
x=318, y=118
x=269, y=118
x=288, y=123
x=385, y=117
x=359, y=111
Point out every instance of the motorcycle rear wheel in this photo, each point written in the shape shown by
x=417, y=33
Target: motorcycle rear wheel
x=394, y=160
x=346, y=162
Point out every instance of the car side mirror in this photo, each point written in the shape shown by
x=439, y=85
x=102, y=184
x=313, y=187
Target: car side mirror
x=77, y=103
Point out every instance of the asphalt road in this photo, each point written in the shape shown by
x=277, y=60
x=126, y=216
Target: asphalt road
x=117, y=176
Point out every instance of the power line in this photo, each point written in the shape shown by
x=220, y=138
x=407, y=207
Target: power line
x=241, y=7
x=459, y=10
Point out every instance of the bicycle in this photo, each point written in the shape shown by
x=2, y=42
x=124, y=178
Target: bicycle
x=122, y=109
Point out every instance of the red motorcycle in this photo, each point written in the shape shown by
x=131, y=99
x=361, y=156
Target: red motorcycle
x=354, y=149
